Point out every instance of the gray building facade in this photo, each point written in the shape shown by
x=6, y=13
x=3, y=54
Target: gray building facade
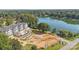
x=16, y=28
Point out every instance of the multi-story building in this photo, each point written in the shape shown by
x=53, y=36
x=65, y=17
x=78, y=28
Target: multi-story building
x=18, y=29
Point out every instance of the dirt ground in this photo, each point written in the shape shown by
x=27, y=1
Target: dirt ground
x=42, y=40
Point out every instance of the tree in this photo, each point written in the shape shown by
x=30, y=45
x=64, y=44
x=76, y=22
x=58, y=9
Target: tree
x=63, y=33
x=43, y=27
x=8, y=44
x=54, y=30
x=66, y=34
x=15, y=44
x=32, y=20
x=9, y=21
x=29, y=19
x=1, y=22
x=4, y=42
x=33, y=47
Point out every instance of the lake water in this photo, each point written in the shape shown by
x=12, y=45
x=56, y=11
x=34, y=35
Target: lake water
x=53, y=23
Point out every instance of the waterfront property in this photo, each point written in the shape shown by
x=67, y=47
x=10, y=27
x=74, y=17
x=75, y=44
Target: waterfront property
x=19, y=29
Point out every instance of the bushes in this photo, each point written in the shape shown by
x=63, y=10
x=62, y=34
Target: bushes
x=65, y=33
x=4, y=42
x=8, y=44
x=15, y=44
x=29, y=19
x=30, y=47
x=43, y=26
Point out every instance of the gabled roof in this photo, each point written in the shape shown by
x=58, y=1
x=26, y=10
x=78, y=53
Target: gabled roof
x=12, y=26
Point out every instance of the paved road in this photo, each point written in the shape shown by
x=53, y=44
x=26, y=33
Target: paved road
x=70, y=45
x=64, y=40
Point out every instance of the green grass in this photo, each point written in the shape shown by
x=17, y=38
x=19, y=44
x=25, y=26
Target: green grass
x=55, y=47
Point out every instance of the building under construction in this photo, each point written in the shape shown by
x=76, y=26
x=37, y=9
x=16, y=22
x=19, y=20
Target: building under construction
x=19, y=29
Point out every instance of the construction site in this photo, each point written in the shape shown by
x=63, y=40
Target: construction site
x=40, y=40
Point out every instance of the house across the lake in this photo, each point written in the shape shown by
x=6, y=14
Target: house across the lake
x=19, y=29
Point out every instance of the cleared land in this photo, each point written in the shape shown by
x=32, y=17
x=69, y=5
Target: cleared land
x=43, y=40
x=40, y=40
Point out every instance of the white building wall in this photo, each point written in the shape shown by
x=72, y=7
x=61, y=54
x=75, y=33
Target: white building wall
x=9, y=32
x=15, y=29
x=21, y=26
x=26, y=26
x=12, y=30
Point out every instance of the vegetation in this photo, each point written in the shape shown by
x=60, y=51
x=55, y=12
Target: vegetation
x=8, y=44
x=65, y=15
x=30, y=47
x=55, y=47
x=4, y=42
x=54, y=30
x=71, y=21
x=43, y=26
x=29, y=19
x=70, y=16
x=67, y=34
x=15, y=44
x=1, y=23
x=6, y=21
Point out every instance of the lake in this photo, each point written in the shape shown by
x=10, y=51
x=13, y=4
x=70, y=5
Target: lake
x=59, y=25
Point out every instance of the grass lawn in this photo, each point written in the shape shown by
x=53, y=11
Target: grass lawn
x=55, y=47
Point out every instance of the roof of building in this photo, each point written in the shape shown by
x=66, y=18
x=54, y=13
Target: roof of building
x=12, y=26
